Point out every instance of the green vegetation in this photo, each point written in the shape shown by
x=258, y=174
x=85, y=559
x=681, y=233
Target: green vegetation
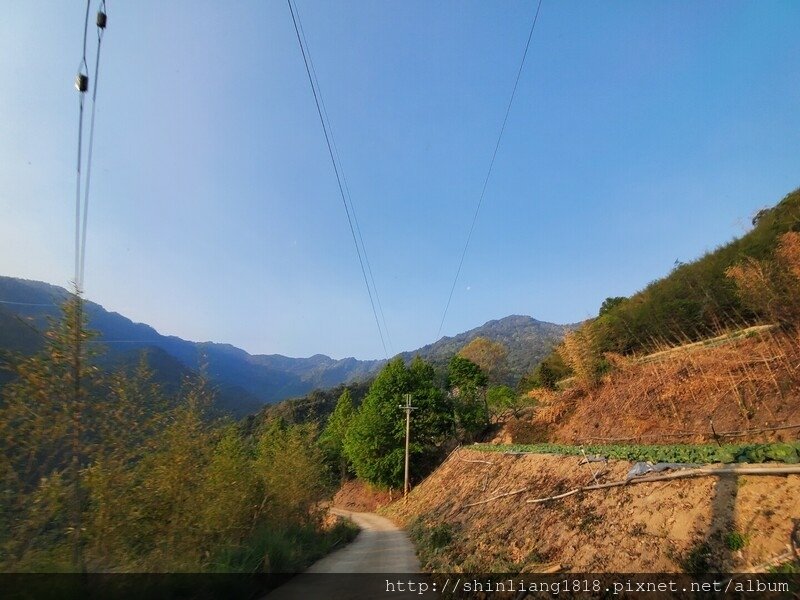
x=118, y=475
x=697, y=560
x=375, y=440
x=501, y=398
x=789, y=567
x=332, y=439
x=750, y=279
x=546, y=374
x=432, y=543
x=524, y=341
x=735, y=541
x=316, y=406
x=467, y=384
x=680, y=453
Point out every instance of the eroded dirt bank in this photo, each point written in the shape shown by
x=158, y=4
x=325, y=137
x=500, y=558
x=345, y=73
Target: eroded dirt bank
x=732, y=523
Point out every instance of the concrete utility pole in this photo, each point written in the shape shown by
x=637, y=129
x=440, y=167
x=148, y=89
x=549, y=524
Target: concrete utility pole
x=408, y=408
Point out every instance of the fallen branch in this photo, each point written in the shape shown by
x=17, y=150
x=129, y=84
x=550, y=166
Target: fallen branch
x=515, y=492
x=704, y=472
x=760, y=430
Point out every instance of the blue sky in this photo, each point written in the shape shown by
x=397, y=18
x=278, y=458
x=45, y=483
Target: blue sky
x=642, y=132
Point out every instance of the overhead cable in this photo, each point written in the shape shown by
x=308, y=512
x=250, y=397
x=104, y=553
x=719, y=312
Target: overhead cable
x=491, y=166
x=82, y=84
x=344, y=181
x=336, y=171
x=102, y=19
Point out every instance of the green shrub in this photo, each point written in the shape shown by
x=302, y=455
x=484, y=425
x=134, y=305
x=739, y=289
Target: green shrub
x=441, y=536
x=696, y=562
x=735, y=541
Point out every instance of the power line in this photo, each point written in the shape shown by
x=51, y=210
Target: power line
x=344, y=181
x=338, y=177
x=491, y=165
x=82, y=84
x=101, y=27
x=27, y=303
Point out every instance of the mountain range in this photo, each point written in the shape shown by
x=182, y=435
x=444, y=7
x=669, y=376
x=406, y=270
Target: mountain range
x=244, y=382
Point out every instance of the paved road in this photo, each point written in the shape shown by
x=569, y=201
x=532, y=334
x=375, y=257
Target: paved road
x=380, y=548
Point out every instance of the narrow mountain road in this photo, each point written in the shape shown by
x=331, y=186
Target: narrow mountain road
x=380, y=548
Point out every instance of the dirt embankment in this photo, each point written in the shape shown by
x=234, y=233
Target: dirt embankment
x=710, y=523
x=357, y=496
x=747, y=385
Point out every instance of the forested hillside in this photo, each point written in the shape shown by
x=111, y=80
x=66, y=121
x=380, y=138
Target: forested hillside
x=243, y=382
x=696, y=300
x=526, y=340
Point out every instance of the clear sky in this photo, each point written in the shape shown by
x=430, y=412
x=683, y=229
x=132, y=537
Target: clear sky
x=642, y=132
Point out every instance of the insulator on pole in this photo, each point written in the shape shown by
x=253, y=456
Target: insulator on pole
x=81, y=82
x=101, y=19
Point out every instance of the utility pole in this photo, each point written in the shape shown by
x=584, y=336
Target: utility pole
x=408, y=408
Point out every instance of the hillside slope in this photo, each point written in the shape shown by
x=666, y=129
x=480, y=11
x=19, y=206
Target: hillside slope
x=713, y=347
x=670, y=526
x=698, y=298
x=528, y=341
x=747, y=387
x=678, y=362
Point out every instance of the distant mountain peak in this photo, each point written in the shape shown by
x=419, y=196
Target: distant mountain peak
x=242, y=378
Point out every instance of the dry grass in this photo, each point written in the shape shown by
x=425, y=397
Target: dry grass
x=772, y=287
x=746, y=384
x=579, y=349
x=789, y=252
x=644, y=528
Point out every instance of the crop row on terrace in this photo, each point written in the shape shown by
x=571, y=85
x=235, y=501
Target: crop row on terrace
x=788, y=453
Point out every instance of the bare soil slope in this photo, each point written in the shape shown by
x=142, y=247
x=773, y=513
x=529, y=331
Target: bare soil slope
x=694, y=524
x=751, y=384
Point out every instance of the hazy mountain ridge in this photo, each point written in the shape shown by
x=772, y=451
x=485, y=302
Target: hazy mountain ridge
x=245, y=381
x=528, y=342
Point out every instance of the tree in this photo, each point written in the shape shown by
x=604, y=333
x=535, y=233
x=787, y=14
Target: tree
x=546, y=374
x=114, y=475
x=44, y=443
x=488, y=355
x=501, y=398
x=467, y=384
x=332, y=439
x=375, y=440
x=611, y=302
x=292, y=470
